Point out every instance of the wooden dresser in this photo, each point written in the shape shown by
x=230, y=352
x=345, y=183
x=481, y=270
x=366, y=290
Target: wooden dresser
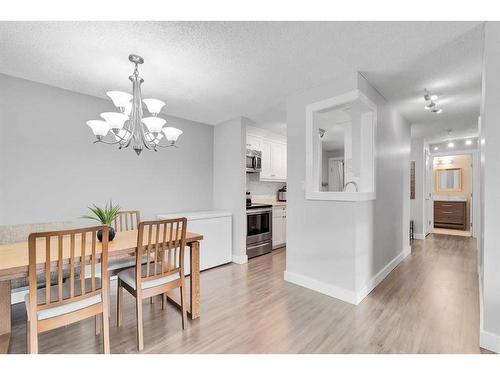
x=450, y=214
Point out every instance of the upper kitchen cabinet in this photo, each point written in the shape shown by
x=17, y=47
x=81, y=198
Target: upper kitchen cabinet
x=273, y=161
x=254, y=142
x=273, y=148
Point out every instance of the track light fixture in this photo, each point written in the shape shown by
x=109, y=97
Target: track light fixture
x=431, y=104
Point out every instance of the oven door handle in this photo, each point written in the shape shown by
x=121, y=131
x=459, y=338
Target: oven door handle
x=259, y=211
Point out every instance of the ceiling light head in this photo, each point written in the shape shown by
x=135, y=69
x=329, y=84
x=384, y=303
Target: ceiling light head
x=431, y=105
x=468, y=142
x=436, y=148
x=451, y=144
x=321, y=132
x=436, y=110
x=434, y=97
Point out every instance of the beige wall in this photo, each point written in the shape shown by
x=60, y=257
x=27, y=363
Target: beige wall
x=464, y=162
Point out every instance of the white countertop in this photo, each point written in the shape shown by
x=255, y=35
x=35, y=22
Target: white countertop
x=450, y=198
x=268, y=201
x=195, y=215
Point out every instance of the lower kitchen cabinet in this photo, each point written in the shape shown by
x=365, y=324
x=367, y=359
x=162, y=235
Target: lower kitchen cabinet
x=279, y=226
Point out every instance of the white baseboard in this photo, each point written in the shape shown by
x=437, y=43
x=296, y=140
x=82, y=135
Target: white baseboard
x=419, y=236
x=344, y=294
x=490, y=341
x=381, y=275
x=321, y=287
x=240, y=258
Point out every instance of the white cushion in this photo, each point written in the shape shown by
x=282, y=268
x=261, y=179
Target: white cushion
x=128, y=277
x=66, y=307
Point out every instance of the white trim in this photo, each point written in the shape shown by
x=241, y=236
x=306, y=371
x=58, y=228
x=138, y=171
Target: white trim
x=344, y=294
x=312, y=169
x=240, y=258
x=490, y=341
x=321, y=287
x=381, y=275
x=419, y=236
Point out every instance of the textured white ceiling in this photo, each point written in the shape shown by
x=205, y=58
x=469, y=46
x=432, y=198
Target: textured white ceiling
x=214, y=71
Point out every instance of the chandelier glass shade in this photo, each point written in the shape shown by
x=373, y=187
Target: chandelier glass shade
x=128, y=126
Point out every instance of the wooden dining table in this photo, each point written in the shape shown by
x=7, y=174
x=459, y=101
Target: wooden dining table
x=14, y=264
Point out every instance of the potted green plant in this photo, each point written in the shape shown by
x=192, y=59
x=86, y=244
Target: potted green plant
x=104, y=216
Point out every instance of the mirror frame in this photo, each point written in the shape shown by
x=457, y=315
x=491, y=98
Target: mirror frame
x=312, y=170
x=437, y=180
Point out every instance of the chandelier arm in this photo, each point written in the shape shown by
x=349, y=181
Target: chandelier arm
x=167, y=146
x=106, y=142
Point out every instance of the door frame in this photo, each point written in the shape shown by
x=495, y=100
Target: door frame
x=475, y=187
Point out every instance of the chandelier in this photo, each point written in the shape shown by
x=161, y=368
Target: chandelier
x=128, y=126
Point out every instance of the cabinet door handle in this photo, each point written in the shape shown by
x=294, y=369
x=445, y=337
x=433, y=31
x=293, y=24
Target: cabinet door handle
x=447, y=212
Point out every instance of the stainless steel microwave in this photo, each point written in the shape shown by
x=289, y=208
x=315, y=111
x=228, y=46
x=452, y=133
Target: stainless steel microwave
x=254, y=161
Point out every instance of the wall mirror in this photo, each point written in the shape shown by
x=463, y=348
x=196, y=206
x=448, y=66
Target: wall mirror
x=340, y=148
x=448, y=180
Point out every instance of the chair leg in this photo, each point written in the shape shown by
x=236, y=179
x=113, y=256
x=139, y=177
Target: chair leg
x=27, y=337
x=152, y=300
x=183, y=304
x=164, y=301
x=33, y=338
x=140, y=334
x=97, y=325
x=119, y=302
x=105, y=331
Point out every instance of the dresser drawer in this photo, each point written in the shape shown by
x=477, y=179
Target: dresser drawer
x=448, y=219
x=454, y=211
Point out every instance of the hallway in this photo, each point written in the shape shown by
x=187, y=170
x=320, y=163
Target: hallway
x=428, y=304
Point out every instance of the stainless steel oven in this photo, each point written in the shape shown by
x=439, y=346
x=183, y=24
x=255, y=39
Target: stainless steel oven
x=259, y=230
x=254, y=161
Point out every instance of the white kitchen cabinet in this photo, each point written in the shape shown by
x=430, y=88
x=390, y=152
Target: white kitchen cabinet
x=216, y=228
x=273, y=161
x=279, y=226
x=254, y=142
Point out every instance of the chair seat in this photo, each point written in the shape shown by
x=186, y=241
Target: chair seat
x=128, y=277
x=66, y=307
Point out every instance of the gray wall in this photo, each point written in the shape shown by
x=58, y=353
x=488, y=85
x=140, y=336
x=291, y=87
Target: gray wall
x=490, y=181
x=229, y=179
x=338, y=247
x=51, y=171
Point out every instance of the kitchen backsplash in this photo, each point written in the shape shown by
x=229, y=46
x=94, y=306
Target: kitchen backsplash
x=257, y=187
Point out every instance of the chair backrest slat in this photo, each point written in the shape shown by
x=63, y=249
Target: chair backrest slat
x=63, y=244
x=72, y=266
x=60, y=267
x=83, y=262
x=93, y=260
x=47, y=270
x=169, y=241
x=127, y=220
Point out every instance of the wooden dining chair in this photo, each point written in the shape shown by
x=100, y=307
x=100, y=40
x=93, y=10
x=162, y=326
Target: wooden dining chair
x=160, y=245
x=127, y=220
x=72, y=300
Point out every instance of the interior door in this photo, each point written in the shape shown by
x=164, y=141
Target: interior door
x=335, y=174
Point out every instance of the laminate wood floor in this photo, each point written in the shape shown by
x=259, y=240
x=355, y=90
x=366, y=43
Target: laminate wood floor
x=428, y=304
